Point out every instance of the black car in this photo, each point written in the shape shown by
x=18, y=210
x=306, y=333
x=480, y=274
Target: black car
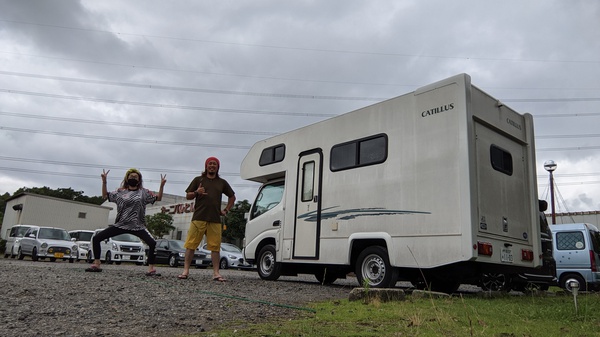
x=172, y=252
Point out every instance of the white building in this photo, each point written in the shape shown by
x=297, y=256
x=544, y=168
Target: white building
x=41, y=210
x=591, y=217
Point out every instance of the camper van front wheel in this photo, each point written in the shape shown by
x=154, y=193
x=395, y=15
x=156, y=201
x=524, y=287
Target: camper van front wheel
x=267, y=267
x=373, y=268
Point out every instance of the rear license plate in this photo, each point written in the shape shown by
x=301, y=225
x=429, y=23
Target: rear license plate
x=506, y=255
x=131, y=257
x=59, y=255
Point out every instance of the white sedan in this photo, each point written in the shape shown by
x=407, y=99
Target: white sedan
x=48, y=242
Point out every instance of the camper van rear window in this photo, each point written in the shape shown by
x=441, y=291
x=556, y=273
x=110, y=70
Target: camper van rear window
x=358, y=153
x=501, y=160
x=271, y=155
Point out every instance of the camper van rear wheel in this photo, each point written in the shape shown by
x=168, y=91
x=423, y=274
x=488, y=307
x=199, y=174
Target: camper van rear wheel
x=373, y=268
x=267, y=267
x=495, y=282
x=566, y=279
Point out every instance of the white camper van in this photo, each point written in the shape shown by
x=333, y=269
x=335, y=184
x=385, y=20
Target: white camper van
x=437, y=187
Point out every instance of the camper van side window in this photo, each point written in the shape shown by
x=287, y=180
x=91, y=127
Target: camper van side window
x=570, y=241
x=308, y=175
x=501, y=160
x=360, y=152
x=271, y=155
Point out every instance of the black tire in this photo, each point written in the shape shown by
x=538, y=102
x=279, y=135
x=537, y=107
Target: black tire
x=565, y=279
x=88, y=257
x=373, y=268
x=495, y=282
x=173, y=261
x=268, y=268
x=325, y=276
x=20, y=254
x=223, y=264
x=34, y=256
x=108, y=259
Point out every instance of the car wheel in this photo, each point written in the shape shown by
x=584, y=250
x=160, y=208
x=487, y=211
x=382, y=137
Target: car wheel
x=34, y=256
x=21, y=256
x=223, y=264
x=566, y=279
x=12, y=253
x=373, y=268
x=267, y=267
x=494, y=282
x=108, y=258
x=88, y=257
x=173, y=262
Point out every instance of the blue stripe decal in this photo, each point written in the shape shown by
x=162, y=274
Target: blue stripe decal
x=353, y=213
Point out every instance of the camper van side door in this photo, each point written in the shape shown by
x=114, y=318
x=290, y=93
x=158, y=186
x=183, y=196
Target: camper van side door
x=307, y=222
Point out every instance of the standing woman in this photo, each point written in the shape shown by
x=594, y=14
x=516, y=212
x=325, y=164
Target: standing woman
x=131, y=199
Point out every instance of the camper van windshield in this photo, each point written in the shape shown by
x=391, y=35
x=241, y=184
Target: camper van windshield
x=269, y=197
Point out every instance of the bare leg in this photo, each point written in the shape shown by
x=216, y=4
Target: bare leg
x=189, y=255
x=216, y=257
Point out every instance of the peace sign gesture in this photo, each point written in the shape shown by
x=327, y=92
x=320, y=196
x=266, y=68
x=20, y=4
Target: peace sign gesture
x=163, y=180
x=103, y=175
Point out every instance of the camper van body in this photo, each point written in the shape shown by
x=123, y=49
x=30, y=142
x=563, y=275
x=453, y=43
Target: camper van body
x=435, y=186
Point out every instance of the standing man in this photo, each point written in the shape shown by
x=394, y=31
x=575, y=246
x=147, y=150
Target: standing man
x=207, y=191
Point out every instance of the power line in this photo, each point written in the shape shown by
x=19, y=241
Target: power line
x=210, y=91
x=168, y=106
x=65, y=134
x=337, y=51
x=135, y=125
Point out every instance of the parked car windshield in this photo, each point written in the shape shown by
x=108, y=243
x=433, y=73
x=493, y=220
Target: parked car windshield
x=126, y=237
x=85, y=236
x=230, y=248
x=176, y=244
x=53, y=234
x=20, y=231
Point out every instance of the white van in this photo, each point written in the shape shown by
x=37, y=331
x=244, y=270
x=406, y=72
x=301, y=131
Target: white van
x=577, y=254
x=121, y=248
x=13, y=240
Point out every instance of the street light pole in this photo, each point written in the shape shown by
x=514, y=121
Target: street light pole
x=550, y=166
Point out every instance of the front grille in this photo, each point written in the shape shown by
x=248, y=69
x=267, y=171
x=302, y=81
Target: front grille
x=131, y=249
x=64, y=250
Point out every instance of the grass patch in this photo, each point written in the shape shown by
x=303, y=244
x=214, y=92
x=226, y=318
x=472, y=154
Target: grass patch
x=456, y=316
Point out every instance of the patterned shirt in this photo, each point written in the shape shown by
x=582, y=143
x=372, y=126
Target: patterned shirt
x=131, y=207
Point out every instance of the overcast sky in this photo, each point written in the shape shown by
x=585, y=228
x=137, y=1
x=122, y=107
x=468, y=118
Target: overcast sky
x=162, y=85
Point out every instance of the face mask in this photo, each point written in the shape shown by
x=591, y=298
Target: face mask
x=132, y=182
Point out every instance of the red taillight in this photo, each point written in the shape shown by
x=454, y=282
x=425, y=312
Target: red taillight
x=485, y=248
x=526, y=255
x=593, y=259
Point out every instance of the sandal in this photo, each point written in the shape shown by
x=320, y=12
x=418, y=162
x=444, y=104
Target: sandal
x=183, y=277
x=152, y=273
x=219, y=278
x=93, y=269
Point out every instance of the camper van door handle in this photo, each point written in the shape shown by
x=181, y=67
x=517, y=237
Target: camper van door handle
x=277, y=223
x=316, y=198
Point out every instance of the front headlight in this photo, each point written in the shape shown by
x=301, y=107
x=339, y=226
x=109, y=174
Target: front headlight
x=115, y=247
x=232, y=257
x=44, y=245
x=17, y=240
x=182, y=255
x=74, y=248
x=85, y=245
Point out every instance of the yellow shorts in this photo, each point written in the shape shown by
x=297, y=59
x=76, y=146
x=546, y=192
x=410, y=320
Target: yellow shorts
x=198, y=229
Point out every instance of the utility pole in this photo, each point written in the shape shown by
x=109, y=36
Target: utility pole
x=550, y=166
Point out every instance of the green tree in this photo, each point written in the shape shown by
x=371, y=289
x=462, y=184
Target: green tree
x=159, y=224
x=62, y=193
x=236, y=222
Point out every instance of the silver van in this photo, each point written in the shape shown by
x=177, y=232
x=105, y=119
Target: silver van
x=576, y=249
x=13, y=240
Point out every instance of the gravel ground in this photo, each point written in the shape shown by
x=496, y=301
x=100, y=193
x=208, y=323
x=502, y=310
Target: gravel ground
x=60, y=299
